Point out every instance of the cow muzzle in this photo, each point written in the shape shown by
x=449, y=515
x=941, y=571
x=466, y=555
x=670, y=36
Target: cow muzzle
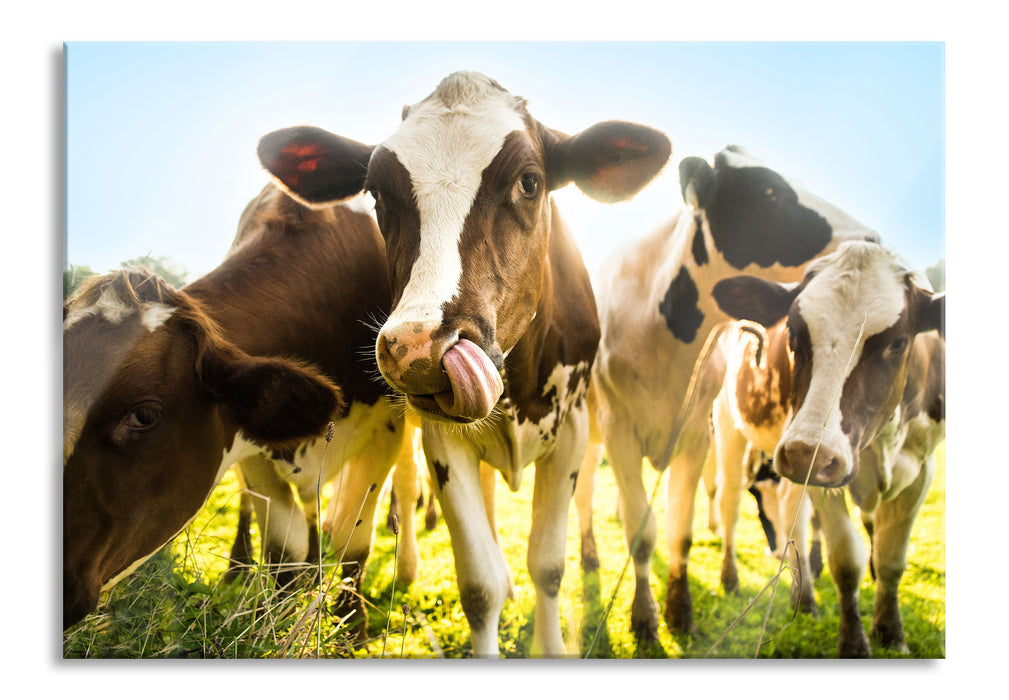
x=451, y=380
x=817, y=465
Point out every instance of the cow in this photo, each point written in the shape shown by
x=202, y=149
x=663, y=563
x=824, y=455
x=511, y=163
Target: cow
x=656, y=314
x=866, y=372
x=493, y=329
x=164, y=389
x=749, y=415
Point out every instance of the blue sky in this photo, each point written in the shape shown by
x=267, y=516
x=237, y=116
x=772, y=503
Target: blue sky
x=161, y=137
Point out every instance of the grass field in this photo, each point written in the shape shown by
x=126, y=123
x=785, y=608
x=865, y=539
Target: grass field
x=177, y=605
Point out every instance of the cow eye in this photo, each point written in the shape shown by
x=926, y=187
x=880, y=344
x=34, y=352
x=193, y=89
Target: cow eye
x=897, y=347
x=143, y=416
x=529, y=185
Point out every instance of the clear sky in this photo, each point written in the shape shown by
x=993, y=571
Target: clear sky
x=161, y=137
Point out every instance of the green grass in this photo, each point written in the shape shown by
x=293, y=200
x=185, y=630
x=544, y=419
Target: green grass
x=177, y=605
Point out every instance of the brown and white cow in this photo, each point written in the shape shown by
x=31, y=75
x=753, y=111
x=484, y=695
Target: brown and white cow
x=164, y=389
x=867, y=396
x=656, y=313
x=493, y=330
x=748, y=417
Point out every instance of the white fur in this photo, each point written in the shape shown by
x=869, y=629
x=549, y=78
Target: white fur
x=853, y=296
x=445, y=144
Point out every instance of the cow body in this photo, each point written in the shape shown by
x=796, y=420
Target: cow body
x=866, y=368
x=493, y=329
x=297, y=283
x=656, y=313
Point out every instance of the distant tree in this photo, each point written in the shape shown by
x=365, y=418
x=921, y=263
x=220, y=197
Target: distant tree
x=73, y=277
x=937, y=275
x=162, y=266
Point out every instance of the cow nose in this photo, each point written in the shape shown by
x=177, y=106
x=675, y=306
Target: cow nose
x=409, y=357
x=797, y=459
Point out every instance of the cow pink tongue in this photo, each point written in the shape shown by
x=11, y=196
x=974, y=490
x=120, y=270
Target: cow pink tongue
x=476, y=384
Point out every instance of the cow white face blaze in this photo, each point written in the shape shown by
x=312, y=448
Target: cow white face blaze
x=462, y=199
x=852, y=324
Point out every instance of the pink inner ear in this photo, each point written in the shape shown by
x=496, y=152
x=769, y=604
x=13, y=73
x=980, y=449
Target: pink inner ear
x=302, y=150
x=307, y=166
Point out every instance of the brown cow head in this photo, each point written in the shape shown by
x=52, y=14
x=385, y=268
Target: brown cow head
x=852, y=323
x=462, y=193
x=153, y=400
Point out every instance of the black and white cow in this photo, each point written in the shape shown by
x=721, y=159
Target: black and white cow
x=867, y=396
x=493, y=328
x=656, y=312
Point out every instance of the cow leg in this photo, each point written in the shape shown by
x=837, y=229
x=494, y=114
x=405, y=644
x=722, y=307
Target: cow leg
x=351, y=518
x=684, y=475
x=892, y=532
x=281, y=518
x=626, y=460
x=405, y=489
x=584, y=489
x=846, y=560
x=241, y=557
x=555, y=481
x=488, y=485
x=431, y=512
x=815, y=548
x=709, y=477
x=731, y=453
x=795, y=510
x=481, y=572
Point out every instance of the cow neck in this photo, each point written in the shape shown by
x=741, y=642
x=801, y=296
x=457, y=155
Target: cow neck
x=305, y=284
x=564, y=330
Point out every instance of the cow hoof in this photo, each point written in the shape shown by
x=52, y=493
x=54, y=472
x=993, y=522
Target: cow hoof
x=679, y=612
x=890, y=638
x=645, y=631
x=730, y=582
x=857, y=648
x=430, y=520
x=349, y=607
x=806, y=604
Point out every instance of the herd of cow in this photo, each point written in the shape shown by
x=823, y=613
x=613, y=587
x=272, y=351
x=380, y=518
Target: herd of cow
x=471, y=296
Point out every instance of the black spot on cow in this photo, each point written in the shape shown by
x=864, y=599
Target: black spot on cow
x=574, y=481
x=679, y=307
x=698, y=248
x=756, y=218
x=441, y=473
x=283, y=454
x=390, y=426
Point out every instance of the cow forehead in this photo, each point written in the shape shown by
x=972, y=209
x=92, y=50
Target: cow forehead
x=112, y=307
x=89, y=363
x=447, y=140
x=857, y=291
x=445, y=143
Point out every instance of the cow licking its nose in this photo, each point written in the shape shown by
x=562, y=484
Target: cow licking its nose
x=449, y=378
x=797, y=459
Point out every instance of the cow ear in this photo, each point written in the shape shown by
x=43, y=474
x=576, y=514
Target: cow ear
x=274, y=401
x=610, y=161
x=315, y=166
x=930, y=311
x=697, y=182
x=754, y=299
